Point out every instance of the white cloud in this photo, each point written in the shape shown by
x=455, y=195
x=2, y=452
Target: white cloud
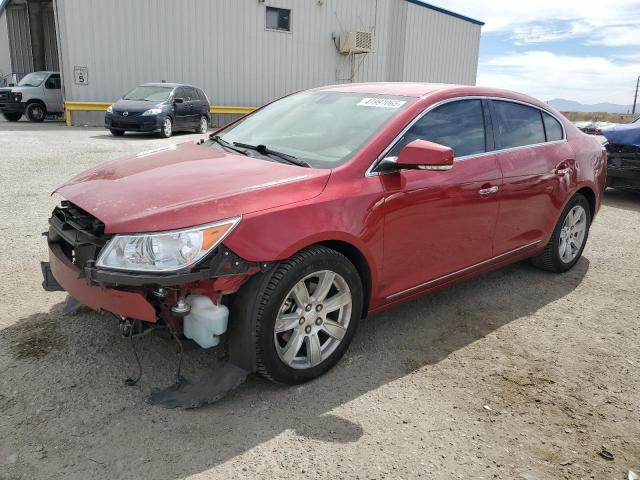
x=545, y=75
x=580, y=76
x=617, y=36
x=596, y=21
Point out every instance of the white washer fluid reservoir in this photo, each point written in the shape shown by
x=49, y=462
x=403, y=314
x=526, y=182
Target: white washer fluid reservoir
x=206, y=321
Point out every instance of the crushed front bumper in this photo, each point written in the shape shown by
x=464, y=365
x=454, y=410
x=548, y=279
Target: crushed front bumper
x=75, y=239
x=623, y=166
x=130, y=304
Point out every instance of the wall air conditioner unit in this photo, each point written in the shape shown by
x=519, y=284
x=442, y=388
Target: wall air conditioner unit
x=356, y=42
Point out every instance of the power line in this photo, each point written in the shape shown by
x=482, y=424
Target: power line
x=635, y=96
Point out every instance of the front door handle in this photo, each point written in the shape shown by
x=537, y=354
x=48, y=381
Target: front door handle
x=488, y=191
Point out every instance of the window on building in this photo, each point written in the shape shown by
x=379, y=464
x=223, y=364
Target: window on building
x=458, y=125
x=518, y=125
x=552, y=128
x=279, y=19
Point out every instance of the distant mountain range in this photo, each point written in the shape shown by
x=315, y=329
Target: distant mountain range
x=563, y=105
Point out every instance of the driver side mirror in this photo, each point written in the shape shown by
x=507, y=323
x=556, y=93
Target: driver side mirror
x=420, y=155
x=178, y=100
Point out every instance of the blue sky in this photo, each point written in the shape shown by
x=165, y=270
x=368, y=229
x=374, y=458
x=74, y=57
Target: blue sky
x=582, y=50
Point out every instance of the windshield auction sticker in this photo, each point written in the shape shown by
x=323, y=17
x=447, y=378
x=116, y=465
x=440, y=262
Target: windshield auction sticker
x=381, y=102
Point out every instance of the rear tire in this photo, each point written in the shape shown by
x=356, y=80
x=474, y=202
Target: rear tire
x=117, y=133
x=568, y=239
x=36, y=112
x=300, y=331
x=203, y=126
x=12, y=117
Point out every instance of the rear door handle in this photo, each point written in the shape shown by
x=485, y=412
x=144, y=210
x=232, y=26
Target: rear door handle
x=488, y=191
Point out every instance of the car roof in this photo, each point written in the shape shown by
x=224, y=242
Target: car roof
x=405, y=89
x=423, y=90
x=166, y=84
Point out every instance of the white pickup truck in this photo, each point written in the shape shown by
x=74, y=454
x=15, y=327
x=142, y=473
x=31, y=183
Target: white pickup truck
x=36, y=95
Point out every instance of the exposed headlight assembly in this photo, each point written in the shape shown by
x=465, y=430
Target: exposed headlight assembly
x=153, y=111
x=164, y=251
x=110, y=109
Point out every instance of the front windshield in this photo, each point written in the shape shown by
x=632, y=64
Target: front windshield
x=322, y=128
x=149, y=93
x=34, y=79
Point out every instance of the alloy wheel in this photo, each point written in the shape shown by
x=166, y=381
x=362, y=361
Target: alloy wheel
x=313, y=319
x=572, y=234
x=204, y=125
x=166, y=126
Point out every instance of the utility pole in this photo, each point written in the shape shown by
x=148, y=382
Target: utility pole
x=635, y=97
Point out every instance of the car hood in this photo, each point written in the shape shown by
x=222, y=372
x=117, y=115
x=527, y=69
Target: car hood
x=18, y=89
x=185, y=185
x=135, y=106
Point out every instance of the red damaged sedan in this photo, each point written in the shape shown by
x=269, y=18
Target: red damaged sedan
x=284, y=229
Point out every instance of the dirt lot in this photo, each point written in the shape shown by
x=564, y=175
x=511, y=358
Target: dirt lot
x=518, y=374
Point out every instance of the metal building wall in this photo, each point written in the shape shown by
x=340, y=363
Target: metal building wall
x=224, y=47
x=440, y=48
x=50, y=40
x=397, y=38
x=19, y=38
x=5, y=53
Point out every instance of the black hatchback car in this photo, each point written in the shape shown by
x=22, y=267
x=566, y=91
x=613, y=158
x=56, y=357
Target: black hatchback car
x=159, y=107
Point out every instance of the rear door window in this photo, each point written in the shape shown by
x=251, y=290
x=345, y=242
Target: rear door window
x=458, y=125
x=517, y=125
x=193, y=94
x=552, y=128
x=181, y=92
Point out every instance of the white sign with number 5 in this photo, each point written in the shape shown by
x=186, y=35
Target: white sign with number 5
x=81, y=75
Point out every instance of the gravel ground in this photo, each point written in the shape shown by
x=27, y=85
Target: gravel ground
x=518, y=374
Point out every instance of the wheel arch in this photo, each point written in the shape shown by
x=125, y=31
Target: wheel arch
x=590, y=195
x=36, y=100
x=357, y=258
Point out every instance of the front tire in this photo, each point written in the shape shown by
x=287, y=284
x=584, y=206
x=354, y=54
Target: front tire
x=167, y=128
x=307, y=315
x=12, y=117
x=36, y=112
x=568, y=239
x=117, y=133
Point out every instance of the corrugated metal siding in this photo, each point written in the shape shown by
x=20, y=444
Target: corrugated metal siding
x=50, y=43
x=19, y=39
x=397, y=19
x=440, y=48
x=5, y=53
x=224, y=47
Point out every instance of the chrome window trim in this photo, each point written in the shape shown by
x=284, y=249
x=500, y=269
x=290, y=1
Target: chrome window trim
x=371, y=173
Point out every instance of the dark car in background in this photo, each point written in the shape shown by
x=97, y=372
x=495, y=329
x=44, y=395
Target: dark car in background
x=159, y=107
x=623, y=147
